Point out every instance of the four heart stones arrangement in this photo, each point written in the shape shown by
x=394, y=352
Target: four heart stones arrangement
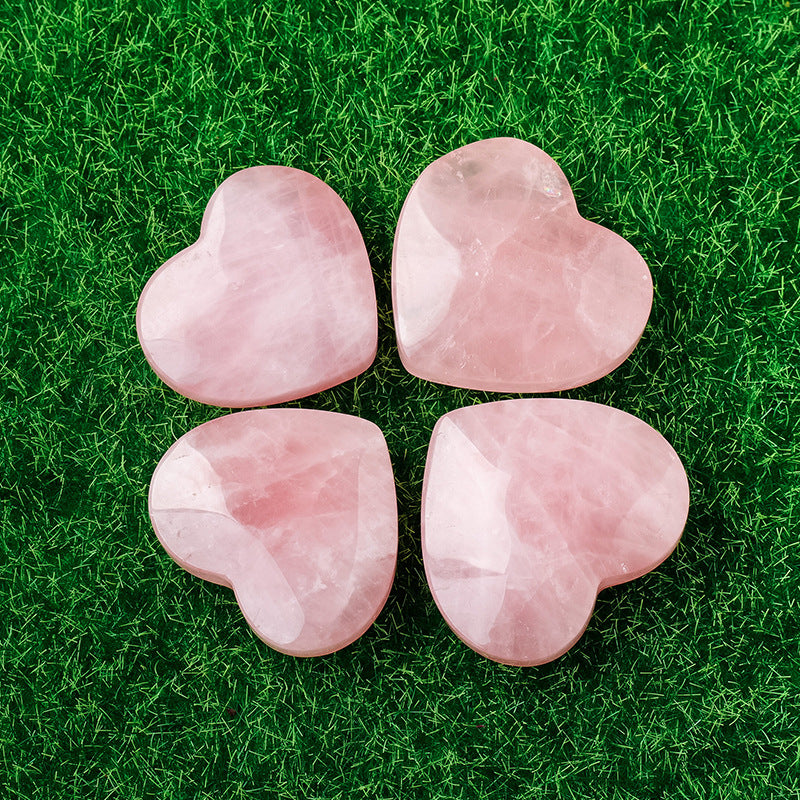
x=530, y=506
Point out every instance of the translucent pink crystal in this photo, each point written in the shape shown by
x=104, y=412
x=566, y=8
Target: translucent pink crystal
x=295, y=510
x=273, y=302
x=531, y=507
x=499, y=284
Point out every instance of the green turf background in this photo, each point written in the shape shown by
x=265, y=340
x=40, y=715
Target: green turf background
x=123, y=676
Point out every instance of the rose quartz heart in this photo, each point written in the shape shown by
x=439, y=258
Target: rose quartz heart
x=499, y=284
x=295, y=510
x=273, y=302
x=531, y=507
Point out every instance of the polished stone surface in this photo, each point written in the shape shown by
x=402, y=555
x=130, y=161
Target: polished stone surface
x=499, y=284
x=274, y=301
x=295, y=510
x=531, y=507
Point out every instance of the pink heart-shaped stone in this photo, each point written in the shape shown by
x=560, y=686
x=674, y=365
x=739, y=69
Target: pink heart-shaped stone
x=531, y=507
x=292, y=508
x=273, y=302
x=499, y=284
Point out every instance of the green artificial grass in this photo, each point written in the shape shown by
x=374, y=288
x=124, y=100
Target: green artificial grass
x=121, y=676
